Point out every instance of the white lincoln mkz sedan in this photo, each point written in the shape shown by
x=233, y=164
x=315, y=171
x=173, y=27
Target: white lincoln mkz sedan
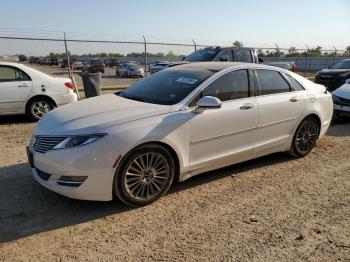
x=173, y=125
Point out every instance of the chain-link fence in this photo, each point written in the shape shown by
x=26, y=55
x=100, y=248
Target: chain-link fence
x=40, y=48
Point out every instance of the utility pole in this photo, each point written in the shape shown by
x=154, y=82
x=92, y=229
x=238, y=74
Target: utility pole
x=70, y=74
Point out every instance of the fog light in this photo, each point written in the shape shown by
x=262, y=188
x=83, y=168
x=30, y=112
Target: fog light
x=74, y=181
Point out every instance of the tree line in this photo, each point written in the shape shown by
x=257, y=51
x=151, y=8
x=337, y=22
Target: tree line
x=293, y=52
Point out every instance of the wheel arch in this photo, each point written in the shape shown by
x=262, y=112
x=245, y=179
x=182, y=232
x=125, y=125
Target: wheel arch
x=317, y=119
x=46, y=97
x=171, y=150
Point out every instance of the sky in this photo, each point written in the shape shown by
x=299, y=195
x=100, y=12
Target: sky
x=255, y=23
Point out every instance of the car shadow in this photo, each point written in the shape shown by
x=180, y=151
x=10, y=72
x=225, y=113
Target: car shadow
x=27, y=208
x=14, y=119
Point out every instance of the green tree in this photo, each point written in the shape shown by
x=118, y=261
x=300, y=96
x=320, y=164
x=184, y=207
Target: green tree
x=237, y=44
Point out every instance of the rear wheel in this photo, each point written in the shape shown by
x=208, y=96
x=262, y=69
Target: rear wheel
x=38, y=107
x=145, y=174
x=305, y=137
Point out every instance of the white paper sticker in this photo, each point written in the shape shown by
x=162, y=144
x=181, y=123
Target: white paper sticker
x=186, y=80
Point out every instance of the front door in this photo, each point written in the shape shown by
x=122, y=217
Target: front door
x=227, y=132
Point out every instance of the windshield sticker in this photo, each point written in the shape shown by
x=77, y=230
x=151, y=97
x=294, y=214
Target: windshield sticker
x=186, y=80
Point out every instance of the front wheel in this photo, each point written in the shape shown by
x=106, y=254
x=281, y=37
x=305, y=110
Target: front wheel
x=305, y=137
x=145, y=174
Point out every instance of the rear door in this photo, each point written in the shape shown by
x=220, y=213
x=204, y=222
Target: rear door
x=280, y=108
x=15, y=87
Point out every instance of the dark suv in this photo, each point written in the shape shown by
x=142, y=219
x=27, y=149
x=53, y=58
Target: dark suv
x=335, y=75
x=235, y=54
x=94, y=66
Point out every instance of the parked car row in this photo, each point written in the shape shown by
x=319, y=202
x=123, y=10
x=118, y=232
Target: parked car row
x=43, y=60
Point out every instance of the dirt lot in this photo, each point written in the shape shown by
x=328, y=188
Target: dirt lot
x=275, y=208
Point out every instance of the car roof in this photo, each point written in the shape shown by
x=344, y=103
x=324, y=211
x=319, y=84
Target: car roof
x=10, y=63
x=218, y=66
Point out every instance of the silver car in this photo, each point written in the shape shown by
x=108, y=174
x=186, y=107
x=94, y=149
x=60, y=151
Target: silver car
x=130, y=70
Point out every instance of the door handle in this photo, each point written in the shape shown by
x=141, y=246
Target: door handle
x=293, y=99
x=246, y=106
x=23, y=85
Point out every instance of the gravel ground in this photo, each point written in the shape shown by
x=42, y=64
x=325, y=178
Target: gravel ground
x=274, y=208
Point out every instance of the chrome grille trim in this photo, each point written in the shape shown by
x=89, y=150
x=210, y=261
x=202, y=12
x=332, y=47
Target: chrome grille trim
x=42, y=144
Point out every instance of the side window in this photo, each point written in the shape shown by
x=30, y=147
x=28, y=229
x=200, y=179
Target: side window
x=8, y=74
x=243, y=55
x=271, y=82
x=296, y=86
x=233, y=85
x=225, y=55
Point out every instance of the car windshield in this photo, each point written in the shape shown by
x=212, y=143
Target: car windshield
x=206, y=54
x=167, y=87
x=345, y=64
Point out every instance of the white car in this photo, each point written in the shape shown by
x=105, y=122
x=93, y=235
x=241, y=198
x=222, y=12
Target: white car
x=77, y=65
x=175, y=124
x=25, y=90
x=341, y=99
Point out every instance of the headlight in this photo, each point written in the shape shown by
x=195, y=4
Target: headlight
x=78, y=140
x=344, y=74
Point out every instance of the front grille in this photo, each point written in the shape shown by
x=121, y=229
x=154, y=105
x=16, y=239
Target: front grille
x=42, y=144
x=344, y=101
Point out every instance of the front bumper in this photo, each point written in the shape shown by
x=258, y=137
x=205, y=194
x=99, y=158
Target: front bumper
x=344, y=110
x=90, y=161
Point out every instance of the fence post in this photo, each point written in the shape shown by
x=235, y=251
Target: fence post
x=145, y=44
x=70, y=74
x=195, y=45
x=307, y=60
x=335, y=54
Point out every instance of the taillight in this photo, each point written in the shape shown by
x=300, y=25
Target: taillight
x=69, y=85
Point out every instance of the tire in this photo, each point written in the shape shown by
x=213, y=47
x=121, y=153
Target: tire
x=135, y=183
x=38, y=107
x=305, y=137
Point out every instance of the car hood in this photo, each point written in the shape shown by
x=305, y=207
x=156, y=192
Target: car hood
x=343, y=91
x=328, y=71
x=96, y=114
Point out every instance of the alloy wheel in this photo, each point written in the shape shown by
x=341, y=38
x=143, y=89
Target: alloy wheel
x=40, y=109
x=147, y=176
x=306, y=136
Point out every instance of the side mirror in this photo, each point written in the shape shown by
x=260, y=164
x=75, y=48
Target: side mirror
x=209, y=102
x=260, y=60
x=224, y=58
x=183, y=58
